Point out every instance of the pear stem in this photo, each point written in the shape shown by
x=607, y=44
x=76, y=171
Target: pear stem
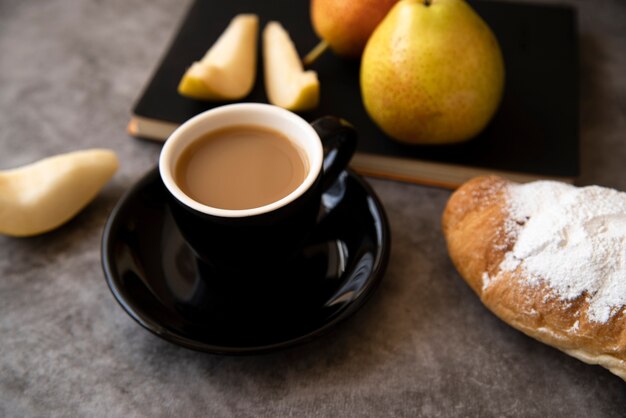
x=315, y=53
x=427, y=2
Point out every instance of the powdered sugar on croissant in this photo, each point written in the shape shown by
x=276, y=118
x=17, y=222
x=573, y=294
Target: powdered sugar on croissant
x=549, y=259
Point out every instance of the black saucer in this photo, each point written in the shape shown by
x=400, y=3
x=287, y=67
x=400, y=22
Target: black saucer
x=159, y=282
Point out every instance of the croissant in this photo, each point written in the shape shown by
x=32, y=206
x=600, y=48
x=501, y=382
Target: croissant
x=547, y=258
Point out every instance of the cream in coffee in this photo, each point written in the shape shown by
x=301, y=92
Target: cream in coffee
x=240, y=167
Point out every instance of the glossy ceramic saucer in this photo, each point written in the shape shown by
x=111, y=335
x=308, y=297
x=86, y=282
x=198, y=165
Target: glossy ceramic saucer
x=161, y=284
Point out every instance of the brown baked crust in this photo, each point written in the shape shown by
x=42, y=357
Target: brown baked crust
x=474, y=225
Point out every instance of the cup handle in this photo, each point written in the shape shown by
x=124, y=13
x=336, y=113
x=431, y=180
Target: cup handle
x=339, y=141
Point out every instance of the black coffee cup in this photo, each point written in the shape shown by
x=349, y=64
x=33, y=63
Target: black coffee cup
x=270, y=235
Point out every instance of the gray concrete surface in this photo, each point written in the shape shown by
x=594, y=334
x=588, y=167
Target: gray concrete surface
x=424, y=346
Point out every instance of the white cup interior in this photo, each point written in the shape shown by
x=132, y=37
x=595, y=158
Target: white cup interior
x=251, y=114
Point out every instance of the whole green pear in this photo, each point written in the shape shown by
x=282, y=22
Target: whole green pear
x=432, y=72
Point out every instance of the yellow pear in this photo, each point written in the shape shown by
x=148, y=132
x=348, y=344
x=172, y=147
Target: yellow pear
x=41, y=196
x=432, y=72
x=228, y=69
x=286, y=83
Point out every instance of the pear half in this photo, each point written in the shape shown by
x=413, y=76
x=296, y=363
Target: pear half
x=41, y=196
x=228, y=69
x=286, y=83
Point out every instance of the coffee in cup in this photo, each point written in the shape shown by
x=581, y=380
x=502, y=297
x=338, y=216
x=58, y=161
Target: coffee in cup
x=245, y=181
x=240, y=167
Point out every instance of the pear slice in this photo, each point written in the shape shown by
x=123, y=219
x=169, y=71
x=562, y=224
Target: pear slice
x=286, y=83
x=41, y=196
x=228, y=69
